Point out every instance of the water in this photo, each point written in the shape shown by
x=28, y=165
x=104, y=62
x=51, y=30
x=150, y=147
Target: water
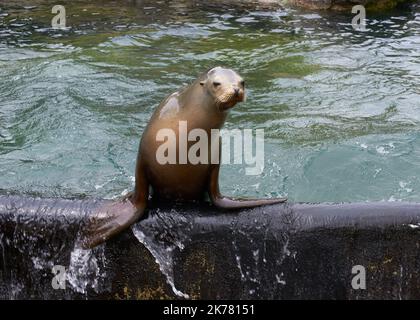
x=86, y=269
x=162, y=240
x=340, y=108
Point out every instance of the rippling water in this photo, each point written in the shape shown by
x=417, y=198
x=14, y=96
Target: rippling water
x=340, y=108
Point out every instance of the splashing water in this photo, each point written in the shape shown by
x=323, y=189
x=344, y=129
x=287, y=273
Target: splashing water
x=162, y=240
x=163, y=256
x=84, y=271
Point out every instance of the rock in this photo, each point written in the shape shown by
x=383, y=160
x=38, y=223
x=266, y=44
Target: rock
x=288, y=251
x=345, y=5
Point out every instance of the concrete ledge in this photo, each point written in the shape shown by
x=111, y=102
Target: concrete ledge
x=292, y=251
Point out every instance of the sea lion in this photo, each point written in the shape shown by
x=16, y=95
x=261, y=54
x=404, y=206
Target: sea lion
x=203, y=104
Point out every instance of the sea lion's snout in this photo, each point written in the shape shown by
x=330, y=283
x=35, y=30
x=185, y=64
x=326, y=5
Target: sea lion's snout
x=230, y=97
x=239, y=93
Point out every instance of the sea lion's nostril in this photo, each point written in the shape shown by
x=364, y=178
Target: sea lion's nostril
x=236, y=92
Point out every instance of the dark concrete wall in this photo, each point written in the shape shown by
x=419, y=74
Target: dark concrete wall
x=292, y=251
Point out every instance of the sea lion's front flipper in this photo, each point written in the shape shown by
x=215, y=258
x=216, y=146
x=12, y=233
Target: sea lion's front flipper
x=224, y=202
x=113, y=217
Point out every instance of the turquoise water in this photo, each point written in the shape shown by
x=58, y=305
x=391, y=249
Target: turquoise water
x=340, y=108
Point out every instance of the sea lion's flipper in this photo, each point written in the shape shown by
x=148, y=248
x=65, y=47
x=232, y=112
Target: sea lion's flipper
x=109, y=220
x=113, y=217
x=224, y=202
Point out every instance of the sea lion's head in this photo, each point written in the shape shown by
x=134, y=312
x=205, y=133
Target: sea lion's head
x=225, y=86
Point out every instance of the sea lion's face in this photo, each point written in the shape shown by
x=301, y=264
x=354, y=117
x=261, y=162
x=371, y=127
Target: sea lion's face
x=225, y=86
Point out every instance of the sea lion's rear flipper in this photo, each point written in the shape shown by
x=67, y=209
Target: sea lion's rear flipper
x=109, y=220
x=224, y=202
x=114, y=217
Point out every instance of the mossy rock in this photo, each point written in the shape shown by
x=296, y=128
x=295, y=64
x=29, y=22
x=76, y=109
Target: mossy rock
x=343, y=5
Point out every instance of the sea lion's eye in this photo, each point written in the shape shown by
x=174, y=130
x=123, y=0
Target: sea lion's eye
x=216, y=84
x=242, y=83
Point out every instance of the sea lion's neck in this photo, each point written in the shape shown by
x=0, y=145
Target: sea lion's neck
x=201, y=107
